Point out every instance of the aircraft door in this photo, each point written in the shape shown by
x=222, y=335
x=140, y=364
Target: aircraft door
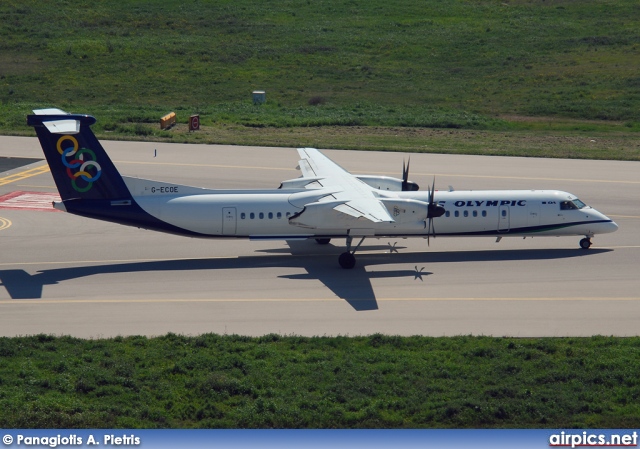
x=228, y=221
x=533, y=210
x=504, y=219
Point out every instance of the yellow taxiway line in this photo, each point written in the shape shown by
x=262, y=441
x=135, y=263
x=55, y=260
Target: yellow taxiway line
x=454, y=175
x=4, y=223
x=24, y=175
x=45, y=168
x=36, y=301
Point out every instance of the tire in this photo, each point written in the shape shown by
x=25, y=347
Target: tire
x=347, y=260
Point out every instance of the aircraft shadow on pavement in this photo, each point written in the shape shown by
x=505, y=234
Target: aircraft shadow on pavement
x=354, y=286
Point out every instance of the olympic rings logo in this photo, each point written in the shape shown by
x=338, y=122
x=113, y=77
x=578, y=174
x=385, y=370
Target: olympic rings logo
x=78, y=162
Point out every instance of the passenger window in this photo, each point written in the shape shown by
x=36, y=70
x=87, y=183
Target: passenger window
x=242, y=216
x=484, y=213
x=279, y=215
x=252, y=215
x=504, y=212
x=475, y=213
x=466, y=213
x=447, y=214
x=261, y=215
x=288, y=214
x=270, y=215
x=456, y=213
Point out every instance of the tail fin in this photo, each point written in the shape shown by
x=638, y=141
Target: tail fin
x=80, y=167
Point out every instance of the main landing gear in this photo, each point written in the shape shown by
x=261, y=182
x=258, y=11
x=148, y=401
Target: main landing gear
x=585, y=243
x=347, y=260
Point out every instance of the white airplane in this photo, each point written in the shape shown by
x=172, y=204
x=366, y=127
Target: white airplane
x=326, y=202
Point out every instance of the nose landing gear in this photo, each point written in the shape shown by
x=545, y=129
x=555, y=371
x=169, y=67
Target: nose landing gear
x=585, y=243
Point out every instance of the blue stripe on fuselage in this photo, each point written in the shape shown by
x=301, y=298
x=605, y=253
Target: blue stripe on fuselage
x=130, y=214
x=527, y=229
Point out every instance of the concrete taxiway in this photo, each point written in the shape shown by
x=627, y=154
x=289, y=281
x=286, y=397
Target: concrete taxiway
x=68, y=275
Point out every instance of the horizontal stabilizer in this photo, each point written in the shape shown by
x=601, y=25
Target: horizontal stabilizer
x=50, y=111
x=63, y=126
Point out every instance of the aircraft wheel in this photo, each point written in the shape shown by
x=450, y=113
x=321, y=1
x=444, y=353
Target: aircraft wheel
x=585, y=243
x=347, y=260
x=323, y=241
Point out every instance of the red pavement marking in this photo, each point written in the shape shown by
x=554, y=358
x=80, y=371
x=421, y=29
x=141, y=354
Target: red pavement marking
x=29, y=201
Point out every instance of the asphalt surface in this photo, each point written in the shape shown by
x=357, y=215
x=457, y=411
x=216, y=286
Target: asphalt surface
x=67, y=275
x=9, y=163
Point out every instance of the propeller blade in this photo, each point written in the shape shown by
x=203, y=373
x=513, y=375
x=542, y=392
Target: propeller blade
x=435, y=210
x=408, y=186
x=432, y=191
x=431, y=230
x=405, y=175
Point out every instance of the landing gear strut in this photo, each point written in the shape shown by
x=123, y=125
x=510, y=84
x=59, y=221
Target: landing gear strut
x=347, y=260
x=585, y=243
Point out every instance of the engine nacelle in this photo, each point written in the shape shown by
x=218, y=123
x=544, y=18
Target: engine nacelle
x=406, y=210
x=388, y=183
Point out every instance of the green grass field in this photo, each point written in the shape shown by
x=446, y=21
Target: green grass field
x=549, y=78
x=521, y=67
x=214, y=381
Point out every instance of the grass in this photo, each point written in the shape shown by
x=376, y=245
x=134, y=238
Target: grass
x=214, y=381
x=453, y=64
x=550, y=78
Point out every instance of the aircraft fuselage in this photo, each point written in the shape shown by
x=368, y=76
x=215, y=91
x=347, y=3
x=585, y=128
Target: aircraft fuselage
x=265, y=214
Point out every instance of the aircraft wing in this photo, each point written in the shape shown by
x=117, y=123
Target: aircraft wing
x=349, y=195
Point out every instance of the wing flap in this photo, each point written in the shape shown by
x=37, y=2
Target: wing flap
x=306, y=168
x=358, y=210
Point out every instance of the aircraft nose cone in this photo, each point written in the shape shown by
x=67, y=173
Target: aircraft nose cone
x=607, y=226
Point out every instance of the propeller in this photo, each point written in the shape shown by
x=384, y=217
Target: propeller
x=407, y=186
x=434, y=211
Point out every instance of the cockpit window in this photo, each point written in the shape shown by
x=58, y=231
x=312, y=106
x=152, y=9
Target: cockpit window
x=570, y=205
x=579, y=204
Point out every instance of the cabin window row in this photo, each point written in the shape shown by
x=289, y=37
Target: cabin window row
x=465, y=213
x=263, y=215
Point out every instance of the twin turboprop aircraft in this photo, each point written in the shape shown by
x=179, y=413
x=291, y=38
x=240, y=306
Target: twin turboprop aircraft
x=326, y=202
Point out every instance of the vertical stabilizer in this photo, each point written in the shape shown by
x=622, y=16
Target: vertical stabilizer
x=80, y=167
